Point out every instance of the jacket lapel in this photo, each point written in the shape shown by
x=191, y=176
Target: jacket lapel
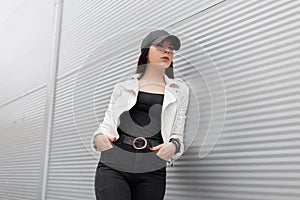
x=170, y=96
x=171, y=88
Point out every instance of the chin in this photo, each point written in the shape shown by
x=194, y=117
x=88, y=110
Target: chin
x=165, y=65
x=162, y=64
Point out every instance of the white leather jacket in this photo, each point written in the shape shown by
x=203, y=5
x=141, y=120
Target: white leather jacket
x=175, y=102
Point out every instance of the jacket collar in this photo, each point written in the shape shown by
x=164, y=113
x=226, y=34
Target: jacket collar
x=171, y=87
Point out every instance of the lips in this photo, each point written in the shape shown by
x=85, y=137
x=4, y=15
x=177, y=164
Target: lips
x=165, y=58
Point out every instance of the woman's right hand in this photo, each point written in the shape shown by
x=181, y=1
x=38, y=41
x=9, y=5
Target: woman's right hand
x=103, y=142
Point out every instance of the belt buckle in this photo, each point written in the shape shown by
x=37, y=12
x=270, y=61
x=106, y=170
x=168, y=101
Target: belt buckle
x=139, y=138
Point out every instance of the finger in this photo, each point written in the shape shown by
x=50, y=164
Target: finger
x=156, y=147
x=105, y=145
x=162, y=157
x=112, y=139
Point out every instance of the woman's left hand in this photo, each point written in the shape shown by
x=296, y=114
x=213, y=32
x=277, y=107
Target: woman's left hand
x=166, y=150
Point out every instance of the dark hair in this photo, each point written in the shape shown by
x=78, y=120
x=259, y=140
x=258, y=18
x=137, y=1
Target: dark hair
x=142, y=64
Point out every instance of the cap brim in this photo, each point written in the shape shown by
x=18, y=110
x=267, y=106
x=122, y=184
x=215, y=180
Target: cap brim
x=175, y=41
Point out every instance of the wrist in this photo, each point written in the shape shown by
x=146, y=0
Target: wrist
x=176, y=143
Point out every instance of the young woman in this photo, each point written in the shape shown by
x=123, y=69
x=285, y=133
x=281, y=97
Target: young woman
x=143, y=127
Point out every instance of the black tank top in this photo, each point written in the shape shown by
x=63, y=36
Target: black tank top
x=144, y=118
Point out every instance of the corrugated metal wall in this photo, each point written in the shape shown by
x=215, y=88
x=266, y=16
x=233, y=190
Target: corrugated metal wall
x=25, y=37
x=94, y=56
x=256, y=47
x=25, y=40
x=253, y=47
x=22, y=147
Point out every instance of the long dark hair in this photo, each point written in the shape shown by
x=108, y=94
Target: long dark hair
x=142, y=64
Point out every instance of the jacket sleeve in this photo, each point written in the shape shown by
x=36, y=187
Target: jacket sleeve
x=106, y=126
x=179, y=124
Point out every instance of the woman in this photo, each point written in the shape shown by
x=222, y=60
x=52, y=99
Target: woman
x=151, y=108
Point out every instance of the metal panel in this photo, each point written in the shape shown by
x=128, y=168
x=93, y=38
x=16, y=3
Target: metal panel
x=71, y=167
x=25, y=38
x=87, y=25
x=86, y=77
x=22, y=126
x=254, y=46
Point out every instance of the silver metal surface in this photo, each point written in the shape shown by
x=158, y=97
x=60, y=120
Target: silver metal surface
x=253, y=45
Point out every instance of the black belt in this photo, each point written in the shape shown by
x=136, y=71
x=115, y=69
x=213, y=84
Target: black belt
x=138, y=142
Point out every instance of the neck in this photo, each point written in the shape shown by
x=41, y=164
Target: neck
x=154, y=74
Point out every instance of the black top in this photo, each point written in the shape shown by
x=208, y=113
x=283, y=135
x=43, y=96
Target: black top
x=144, y=118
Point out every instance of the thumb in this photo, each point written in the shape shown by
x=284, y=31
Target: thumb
x=156, y=147
x=111, y=139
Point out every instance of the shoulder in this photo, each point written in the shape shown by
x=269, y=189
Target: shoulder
x=127, y=84
x=183, y=86
x=184, y=92
x=117, y=89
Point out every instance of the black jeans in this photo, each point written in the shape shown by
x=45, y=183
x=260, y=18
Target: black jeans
x=113, y=184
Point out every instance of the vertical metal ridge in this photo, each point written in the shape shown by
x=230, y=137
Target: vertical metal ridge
x=254, y=46
x=51, y=88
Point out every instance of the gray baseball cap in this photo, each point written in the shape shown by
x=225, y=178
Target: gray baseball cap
x=157, y=36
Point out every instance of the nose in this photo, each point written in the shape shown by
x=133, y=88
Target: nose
x=167, y=50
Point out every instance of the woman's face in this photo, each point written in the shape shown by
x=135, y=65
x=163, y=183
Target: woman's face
x=161, y=54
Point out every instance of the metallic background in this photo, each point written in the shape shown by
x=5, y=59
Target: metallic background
x=45, y=45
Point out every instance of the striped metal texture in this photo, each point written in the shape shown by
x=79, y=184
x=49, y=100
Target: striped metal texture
x=25, y=40
x=254, y=46
x=21, y=147
x=70, y=175
x=88, y=24
x=85, y=79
